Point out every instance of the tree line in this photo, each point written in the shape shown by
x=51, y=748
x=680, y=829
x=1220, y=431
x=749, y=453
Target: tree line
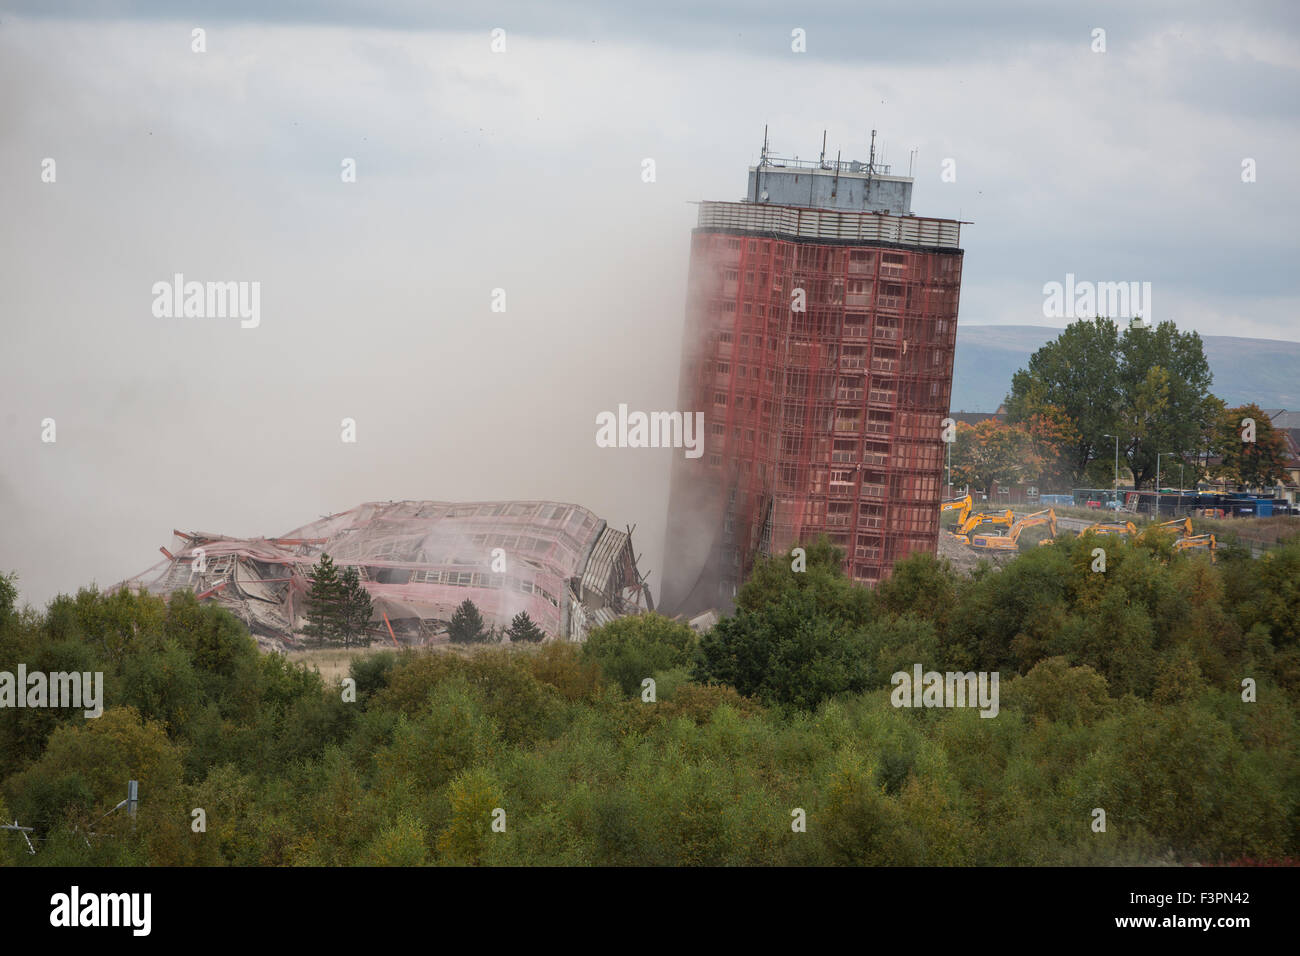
x=1148, y=385
x=1163, y=690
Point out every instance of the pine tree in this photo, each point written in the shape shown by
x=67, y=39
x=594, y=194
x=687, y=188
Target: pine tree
x=357, y=608
x=324, y=602
x=466, y=625
x=523, y=630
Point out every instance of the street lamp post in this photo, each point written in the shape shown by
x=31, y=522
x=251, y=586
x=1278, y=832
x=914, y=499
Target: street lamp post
x=949, y=444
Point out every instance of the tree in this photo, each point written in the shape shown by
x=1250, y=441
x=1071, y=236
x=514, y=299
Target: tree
x=1164, y=384
x=523, y=630
x=992, y=451
x=1078, y=373
x=89, y=762
x=791, y=653
x=630, y=649
x=325, y=602
x=475, y=797
x=1143, y=416
x=1053, y=436
x=356, y=608
x=820, y=573
x=1216, y=409
x=1148, y=385
x=1256, y=463
x=8, y=598
x=466, y=625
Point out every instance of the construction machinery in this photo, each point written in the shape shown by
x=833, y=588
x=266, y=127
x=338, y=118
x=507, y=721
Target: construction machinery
x=1009, y=541
x=1183, y=525
x=972, y=522
x=961, y=505
x=1205, y=541
x=1127, y=528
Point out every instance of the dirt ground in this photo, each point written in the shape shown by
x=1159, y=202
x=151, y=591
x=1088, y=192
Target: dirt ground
x=964, y=558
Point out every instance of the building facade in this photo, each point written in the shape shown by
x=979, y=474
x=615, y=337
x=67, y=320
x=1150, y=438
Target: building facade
x=821, y=319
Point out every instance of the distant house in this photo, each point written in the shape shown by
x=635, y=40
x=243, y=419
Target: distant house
x=1288, y=425
x=1281, y=418
x=1000, y=494
x=974, y=418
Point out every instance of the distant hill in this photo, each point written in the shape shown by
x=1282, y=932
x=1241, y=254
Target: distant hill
x=1263, y=371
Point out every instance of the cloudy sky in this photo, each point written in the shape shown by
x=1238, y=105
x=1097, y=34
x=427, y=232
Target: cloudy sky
x=522, y=170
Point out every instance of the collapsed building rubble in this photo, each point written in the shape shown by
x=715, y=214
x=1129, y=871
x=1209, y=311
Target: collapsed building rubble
x=419, y=560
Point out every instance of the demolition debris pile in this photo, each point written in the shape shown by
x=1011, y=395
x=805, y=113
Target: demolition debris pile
x=418, y=560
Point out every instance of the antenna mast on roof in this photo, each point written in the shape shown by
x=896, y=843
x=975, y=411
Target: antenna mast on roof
x=871, y=166
x=822, y=162
x=758, y=170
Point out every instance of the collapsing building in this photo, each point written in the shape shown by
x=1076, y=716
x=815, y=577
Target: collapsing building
x=419, y=560
x=821, y=319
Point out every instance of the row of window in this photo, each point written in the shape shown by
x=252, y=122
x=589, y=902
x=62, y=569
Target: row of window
x=836, y=258
x=823, y=332
x=916, y=519
x=930, y=326
x=547, y=512
x=474, y=579
x=834, y=294
x=516, y=542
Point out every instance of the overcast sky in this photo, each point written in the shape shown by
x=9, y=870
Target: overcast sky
x=522, y=170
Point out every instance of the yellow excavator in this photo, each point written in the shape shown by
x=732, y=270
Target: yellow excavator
x=1007, y=518
x=1009, y=541
x=962, y=506
x=1183, y=525
x=1205, y=541
x=1127, y=528
x=968, y=521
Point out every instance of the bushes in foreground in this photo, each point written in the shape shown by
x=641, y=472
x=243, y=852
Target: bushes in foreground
x=1120, y=691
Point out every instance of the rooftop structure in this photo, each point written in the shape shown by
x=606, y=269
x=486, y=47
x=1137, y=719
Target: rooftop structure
x=419, y=560
x=1282, y=418
x=852, y=186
